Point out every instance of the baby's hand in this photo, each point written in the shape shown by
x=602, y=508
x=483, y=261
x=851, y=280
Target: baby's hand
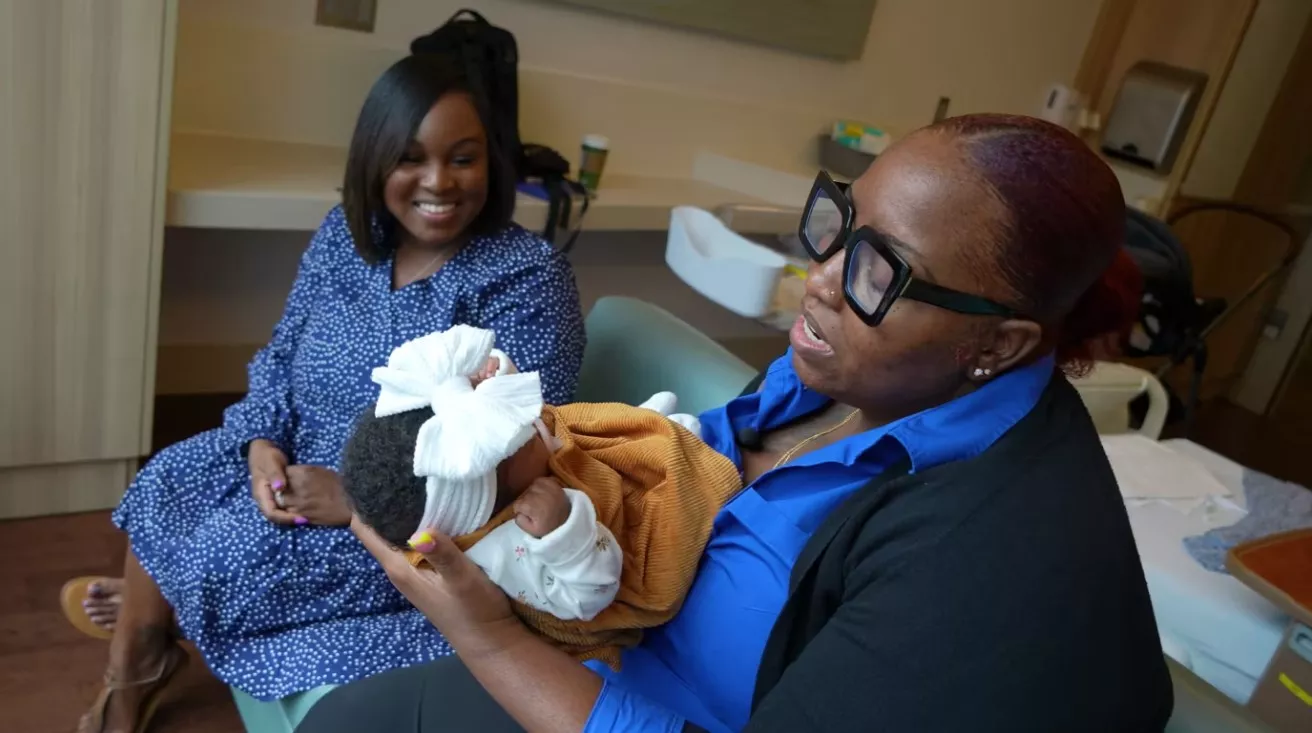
x=542, y=508
x=493, y=366
x=488, y=371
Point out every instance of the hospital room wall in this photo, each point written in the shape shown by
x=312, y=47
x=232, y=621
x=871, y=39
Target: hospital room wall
x=1250, y=88
x=1249, y=153
x=261, y=69
x=264, y=70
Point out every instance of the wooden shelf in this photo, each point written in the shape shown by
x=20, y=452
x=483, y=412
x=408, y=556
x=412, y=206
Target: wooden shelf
x=234, y=183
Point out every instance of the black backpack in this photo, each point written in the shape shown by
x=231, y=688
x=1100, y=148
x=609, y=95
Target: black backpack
x=490, y=58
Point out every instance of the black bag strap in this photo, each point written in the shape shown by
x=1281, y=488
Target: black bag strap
x=475, y=16
x=560, y=202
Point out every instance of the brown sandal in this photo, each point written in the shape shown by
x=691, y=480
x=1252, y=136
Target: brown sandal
x=70, y=600
x=173, y=662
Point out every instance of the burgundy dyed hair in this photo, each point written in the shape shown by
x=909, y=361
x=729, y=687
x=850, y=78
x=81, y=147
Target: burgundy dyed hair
x=1062, y=247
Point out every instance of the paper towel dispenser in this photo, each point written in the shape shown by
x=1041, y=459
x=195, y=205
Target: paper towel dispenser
x=1151, y=114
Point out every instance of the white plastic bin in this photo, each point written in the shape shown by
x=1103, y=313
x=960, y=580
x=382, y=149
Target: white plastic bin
x=723, y=266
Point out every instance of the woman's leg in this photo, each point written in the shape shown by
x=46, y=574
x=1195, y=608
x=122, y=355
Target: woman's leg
x=430, y=698
x=143, y=640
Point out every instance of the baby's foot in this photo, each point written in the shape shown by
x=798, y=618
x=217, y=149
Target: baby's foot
x=664, y=403
x=102, y=602
x=689, y=422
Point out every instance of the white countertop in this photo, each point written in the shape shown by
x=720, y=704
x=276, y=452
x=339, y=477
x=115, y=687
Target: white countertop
x=235, y=183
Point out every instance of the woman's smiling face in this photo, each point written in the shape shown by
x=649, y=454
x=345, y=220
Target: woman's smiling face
x=440, y=185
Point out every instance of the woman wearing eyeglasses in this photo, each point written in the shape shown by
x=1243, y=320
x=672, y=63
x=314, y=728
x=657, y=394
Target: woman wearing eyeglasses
x=929, y=538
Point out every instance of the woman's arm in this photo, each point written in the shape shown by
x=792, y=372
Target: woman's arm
x=266, y=410
x=542, y=688
x=538, y=322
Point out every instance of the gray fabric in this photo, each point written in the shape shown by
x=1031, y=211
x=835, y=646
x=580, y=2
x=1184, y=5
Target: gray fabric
x=1273, y=506
x=438, y=697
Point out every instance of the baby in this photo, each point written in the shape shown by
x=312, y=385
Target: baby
x=591, y=517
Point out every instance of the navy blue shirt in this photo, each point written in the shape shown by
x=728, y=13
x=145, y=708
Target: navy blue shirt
x=701, y=666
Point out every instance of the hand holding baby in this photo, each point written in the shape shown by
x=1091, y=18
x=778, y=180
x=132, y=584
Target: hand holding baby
x=542, y=508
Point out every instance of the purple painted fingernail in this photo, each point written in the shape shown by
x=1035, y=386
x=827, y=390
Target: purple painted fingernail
x=300, y=521
x=277, y=485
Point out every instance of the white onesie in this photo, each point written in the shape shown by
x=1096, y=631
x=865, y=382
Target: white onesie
x=573, y=572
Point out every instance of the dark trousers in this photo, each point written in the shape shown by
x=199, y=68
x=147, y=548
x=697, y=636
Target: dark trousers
x=438, y=697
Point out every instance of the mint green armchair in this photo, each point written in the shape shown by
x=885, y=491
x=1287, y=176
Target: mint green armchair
x=636, y=349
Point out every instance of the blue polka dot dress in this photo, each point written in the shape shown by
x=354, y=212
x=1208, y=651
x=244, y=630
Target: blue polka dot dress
x=278, y=609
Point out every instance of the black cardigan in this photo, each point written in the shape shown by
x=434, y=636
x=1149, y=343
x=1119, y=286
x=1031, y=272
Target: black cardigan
x=1001, y=593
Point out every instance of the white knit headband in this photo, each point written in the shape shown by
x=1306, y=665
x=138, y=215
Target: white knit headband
x=472, y=430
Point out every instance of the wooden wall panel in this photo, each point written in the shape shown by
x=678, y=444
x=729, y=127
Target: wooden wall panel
x=1194, y=34
x=1229, y=252
x=33, y=491
x=80, y=91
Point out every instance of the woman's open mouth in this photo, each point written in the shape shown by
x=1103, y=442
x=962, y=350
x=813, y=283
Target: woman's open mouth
x=806, y=337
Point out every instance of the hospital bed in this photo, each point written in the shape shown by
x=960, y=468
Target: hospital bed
x=1209, y=622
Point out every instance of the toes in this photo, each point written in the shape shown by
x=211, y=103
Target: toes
x=107, y=603
x=108, y=588
x=100, y=609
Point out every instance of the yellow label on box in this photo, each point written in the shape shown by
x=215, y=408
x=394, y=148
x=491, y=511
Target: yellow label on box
x=1293, y=687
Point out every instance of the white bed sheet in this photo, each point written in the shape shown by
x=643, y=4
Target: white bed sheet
x=1209, y=622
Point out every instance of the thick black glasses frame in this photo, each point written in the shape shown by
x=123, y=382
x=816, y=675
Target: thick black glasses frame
x=904, y=284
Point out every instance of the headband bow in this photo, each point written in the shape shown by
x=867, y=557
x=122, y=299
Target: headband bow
x=472, y=429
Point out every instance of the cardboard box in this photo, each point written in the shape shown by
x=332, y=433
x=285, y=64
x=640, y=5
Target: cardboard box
x=1280, y=568
x=1283, y=698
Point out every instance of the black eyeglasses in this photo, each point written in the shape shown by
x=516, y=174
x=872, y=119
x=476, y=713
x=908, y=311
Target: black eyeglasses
x=874, y=275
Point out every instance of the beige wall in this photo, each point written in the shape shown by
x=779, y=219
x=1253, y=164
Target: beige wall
x=1254, y=79
x=262, y=69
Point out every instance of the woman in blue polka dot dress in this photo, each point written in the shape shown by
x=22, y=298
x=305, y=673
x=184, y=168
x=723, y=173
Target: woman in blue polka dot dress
x=237, y=535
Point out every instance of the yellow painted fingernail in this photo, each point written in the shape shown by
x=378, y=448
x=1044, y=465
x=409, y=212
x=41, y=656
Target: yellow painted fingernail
x=422, y=542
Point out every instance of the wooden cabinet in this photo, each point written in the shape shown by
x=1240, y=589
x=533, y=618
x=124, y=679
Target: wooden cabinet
x=84, y=86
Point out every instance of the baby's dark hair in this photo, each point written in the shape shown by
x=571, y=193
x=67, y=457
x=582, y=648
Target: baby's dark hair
x=378, y=473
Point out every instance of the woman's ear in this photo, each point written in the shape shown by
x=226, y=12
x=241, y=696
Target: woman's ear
x=1004, y=346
